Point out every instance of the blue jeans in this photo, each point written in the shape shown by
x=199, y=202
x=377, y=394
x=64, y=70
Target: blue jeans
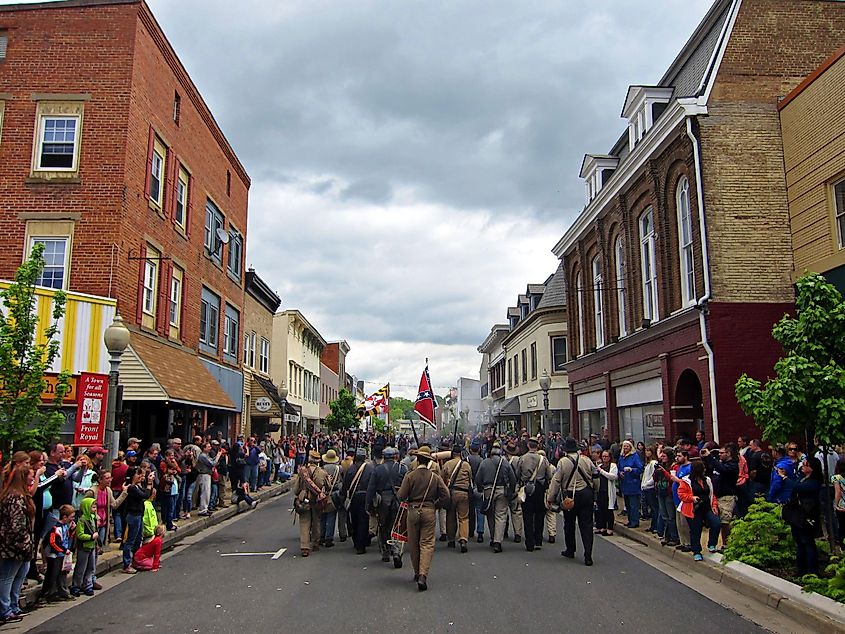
x=327, y=524
x=117, y=516
x=667, y=515
x=188, y=499
x=807, y=554
x=215, y=492
x=632, y=505
x=650, y=506
x=251, y=476
x=12, y=574
x=167, y=502
x=134, y=524
x=696, y=526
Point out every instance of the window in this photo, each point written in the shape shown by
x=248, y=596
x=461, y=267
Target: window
x=264, y=356
x=157, y=164
x=150, y=284
x=598, y=304
x=648, y=261
x=685, y=242
x=209, y=320
x=558, y=353
x=246, y=349
x=55, y=262
x=579, y=291
x=516, y=369
x=213, y=222
x=175, y=301
x=183, y=184
x=236, y=242
x=228, y=183
x=4, y=42
x=619, y=250
x=839, y=203
x=57, y=149
x=231, y=333
x=177, y=107
x=2, y=110
x=524, y=366
x=534, y=360
x=252, y=337
x=510, y=382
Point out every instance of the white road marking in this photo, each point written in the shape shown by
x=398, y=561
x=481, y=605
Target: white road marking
x=246, y=554
x=279, y=553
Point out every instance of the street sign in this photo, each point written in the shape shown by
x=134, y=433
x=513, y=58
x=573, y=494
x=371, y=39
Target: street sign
x=263, y=404
x=92, y=409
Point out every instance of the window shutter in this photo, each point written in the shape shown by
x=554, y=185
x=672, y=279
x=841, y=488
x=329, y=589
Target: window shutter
x=142, y=261
x=150, y=146
x=169, y=188
x=183, y=324
x=189, y=211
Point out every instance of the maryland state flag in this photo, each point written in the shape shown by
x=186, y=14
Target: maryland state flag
x=426, y=404
x=375, y=403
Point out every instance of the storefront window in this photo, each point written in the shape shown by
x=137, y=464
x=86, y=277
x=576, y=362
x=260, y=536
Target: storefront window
x=642, y=422
x=592, y=422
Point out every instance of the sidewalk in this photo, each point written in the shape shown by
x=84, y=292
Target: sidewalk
x=818, y=612
x=111, y=559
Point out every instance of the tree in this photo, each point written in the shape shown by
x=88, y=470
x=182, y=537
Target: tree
x=399, y=408
x=25, y=423
x=807, y=395
x=344, y=414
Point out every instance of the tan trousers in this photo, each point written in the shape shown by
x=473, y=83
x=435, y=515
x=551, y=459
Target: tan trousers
x=421, y=523
x=551, y=523
x=309, y=529
x=683, y=528
x=442, y=526
x=457, y=518
x=373, y=524
x=497, y=514
x=516, y=517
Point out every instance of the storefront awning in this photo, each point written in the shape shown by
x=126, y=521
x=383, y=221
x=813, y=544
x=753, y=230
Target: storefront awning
x=152, y=370
x=265, y=400
x=510, y=408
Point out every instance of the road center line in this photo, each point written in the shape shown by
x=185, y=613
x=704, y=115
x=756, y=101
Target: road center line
x=279, y=553
x=246, y=554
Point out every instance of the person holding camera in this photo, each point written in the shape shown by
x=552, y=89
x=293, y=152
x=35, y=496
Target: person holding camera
x=700, y=506
x=140, y=489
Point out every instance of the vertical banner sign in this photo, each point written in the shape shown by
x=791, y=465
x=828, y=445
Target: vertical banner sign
x=91, y=412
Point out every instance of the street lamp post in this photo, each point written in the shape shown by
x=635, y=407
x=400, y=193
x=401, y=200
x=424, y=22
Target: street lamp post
x=116, y=338
x=283, y=394
x=545, y=384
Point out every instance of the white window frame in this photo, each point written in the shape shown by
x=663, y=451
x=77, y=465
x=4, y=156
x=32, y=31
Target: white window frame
x=252, y=338
x=42, y=129
x=230, y=332
x=209, y=335
x=264, y=356
x=579, y=289
x=555, y=367
x=648, y=265
x=175, y=300
x=839, y=211
x=65, y=268
x=685, y=251
x=158, y=197
x=598, y=303
x=619, y=250
x=235, y=254
x=180, y=211
x=148, y=305
x=214, y=220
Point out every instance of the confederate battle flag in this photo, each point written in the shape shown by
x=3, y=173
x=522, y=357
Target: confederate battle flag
x=426, y=403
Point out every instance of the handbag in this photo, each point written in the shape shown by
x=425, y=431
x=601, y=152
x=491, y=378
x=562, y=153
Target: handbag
x=527, y=489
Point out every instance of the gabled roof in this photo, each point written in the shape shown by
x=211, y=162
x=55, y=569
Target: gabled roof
x=555, y=295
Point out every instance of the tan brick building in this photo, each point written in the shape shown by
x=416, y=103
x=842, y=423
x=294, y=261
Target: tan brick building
x=110, y=156
x=813, y=128
x=681, y=260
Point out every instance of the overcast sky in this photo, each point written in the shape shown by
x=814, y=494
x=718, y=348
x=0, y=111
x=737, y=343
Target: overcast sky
x=413, y=163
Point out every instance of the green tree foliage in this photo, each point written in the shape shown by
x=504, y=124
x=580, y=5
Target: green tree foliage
x=344, y=413
x=25, y=424
x=761, y=538
x=400, y=408
x=807, y=395
x=832, y=585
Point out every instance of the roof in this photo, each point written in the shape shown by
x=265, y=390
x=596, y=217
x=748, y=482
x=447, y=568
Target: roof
x=555, y=295
x=63, y=4
x=296, y=315
x=536, y=289
x=496, y=335
x=259, y=289
x=510, y=408
x=179, y=372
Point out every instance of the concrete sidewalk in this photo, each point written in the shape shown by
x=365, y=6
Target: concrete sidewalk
x=818, y=612
x=111, y=558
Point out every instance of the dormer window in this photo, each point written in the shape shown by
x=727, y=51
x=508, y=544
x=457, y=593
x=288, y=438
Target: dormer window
x=596, y=170
x=643, y=106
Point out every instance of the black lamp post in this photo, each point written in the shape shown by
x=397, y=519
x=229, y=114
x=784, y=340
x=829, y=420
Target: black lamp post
x=116, y=338
x=545, y=384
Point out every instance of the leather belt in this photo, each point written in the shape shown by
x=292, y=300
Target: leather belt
x=460, y=490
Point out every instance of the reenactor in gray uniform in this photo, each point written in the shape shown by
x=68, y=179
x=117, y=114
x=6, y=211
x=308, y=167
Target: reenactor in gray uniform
x=533, y=472
x=476, y=517
x=495, y=480
x=382, y=501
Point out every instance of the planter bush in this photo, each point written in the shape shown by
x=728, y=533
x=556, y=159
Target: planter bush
x=761, y=539
x=832, y=586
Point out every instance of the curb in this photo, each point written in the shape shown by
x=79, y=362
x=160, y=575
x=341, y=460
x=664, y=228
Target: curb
x=112, y=560
x=818, y=612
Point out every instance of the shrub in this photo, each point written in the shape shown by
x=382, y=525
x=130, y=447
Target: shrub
x=761, y=539
x=832, y=586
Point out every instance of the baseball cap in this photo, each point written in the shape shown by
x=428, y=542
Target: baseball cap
x=134, y=440
x=93, y=451
x=131, y=453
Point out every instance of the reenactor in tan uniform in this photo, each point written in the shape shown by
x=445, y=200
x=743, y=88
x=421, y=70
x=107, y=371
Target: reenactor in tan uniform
x=424, y=491
x=457, y=474
x=534, y=473
x=514, y=507
x=310, y=495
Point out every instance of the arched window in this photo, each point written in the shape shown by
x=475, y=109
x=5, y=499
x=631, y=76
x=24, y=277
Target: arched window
x=619, y=252
x=598, y=305
x=579, y=291
x=648, y=262
x=685, y=242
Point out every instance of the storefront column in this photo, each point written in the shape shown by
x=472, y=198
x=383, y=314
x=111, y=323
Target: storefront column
x=666, y=381
x=612, y=411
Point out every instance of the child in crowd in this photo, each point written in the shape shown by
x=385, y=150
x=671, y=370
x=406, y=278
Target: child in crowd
x=57, y=547
x=87, y=541
x=150, y=518
x=148, y=556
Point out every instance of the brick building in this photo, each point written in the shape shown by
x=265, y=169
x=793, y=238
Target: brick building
x=681, y=260
x=813, y=130
x=110, y=156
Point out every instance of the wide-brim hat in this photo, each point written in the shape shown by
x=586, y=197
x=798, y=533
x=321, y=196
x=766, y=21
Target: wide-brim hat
x=511, y=449
x=533, y=440
x=424, y=452
x=570, y=446
x=314, y=456
x=330, y=457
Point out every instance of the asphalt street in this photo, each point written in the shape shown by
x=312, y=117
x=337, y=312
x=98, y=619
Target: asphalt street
x=212, y=585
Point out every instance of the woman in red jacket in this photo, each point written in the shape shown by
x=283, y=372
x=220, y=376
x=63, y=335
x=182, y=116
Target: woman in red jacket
x=700, y=507
x=148, y=556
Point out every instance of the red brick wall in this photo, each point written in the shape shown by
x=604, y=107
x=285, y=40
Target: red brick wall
x=330, y=355
x=82, y=50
